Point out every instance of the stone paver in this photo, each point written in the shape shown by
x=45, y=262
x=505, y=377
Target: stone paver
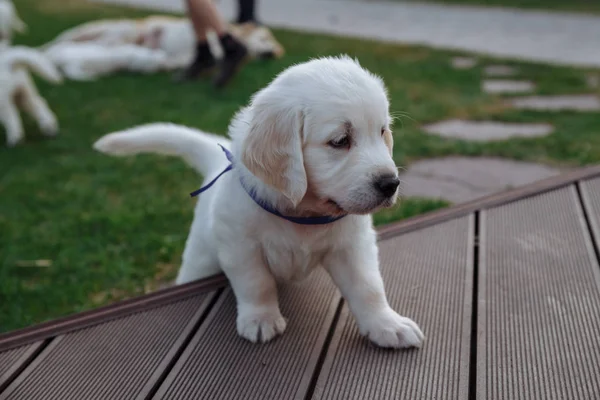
x=486, y=131
x=593, y=81
x=460, y=179
x=498, y=86
x=582, y=102
x=499, y=70
x=560, y=38
x=463, y=62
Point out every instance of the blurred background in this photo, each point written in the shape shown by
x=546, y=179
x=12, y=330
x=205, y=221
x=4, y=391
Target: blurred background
x=487, y=95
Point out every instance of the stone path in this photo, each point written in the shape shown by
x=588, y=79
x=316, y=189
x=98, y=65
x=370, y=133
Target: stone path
x=496, y=86
x=462, y=179
x=549, y=37
x=463, y=62
x=583, y=102
x=499, y=70
x=485, y=131
x=459, y=179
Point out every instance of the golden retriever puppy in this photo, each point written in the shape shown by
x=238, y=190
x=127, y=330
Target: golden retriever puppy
x=309, y=160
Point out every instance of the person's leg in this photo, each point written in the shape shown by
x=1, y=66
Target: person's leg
x=204, y=16
x=246, y=11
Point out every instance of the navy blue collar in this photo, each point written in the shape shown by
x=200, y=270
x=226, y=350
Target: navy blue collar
x=264, y=205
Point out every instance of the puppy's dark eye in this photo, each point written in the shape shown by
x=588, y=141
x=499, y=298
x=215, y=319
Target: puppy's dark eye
x=382, y=131
x=340, y=143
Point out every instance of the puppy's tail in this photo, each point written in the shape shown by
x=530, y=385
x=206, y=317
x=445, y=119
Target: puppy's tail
x=20, y=56
x=199, y=149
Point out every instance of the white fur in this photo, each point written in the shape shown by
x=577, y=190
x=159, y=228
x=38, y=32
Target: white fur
x=107, y=32
x=17, y=89
x=10, y=22
x=174, y=36
x=89, y=61
x=304, y=108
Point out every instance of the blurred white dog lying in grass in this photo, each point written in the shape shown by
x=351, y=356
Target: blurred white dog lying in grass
x=17, y=90
x=10, y=22
x=89, y=61
x=173, y=35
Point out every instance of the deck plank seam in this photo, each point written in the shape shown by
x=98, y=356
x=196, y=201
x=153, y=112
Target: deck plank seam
x=184, y=344
x=324, y=350
x=590, y=225
x=25, y=360
x=472, y=385
x=47, y=346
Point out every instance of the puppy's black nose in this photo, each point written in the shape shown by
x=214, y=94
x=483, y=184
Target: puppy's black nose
x=387, y=185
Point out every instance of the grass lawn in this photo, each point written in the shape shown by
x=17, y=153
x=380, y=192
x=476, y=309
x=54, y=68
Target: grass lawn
x=79, y=229
x=580, y=6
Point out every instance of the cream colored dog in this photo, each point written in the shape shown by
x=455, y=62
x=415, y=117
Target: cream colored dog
x=10, y=22
x=175, y=36
x=17, y=90
x=89, y=61
x=315, y=143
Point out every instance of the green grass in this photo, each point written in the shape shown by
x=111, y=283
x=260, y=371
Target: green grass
x=580, y=6
x=108, y=228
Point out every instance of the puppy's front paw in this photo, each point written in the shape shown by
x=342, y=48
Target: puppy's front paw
x=260, y=327
x=49, y=127
x=388, y=329
x=12, y=141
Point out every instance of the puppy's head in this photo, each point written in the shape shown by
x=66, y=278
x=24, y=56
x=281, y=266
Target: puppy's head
x=319, y=134
x=259, y=40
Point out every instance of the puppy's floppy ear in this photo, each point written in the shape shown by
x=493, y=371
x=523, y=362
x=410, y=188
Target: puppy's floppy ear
x=272, y=150
x=388, y=138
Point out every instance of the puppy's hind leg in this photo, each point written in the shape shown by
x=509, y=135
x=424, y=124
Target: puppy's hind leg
x=196, y=265
x=38, y=108
x=199, y=259
x=9, y=114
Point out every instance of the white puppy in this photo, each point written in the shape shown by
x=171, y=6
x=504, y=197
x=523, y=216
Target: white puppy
x=173, y=35
x=9, y=22
x=17, y=89
x=89, y=61
x=315, y=143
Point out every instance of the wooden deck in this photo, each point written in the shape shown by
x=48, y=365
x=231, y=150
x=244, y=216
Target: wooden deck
x=507, y=290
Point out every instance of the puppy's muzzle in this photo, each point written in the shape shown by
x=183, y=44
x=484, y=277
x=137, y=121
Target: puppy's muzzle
x=386, y=185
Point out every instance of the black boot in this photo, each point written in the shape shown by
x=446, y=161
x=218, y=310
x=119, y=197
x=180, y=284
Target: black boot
x=235, y=54
x=202, y=64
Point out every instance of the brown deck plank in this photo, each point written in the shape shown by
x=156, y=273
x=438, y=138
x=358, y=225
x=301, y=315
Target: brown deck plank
x=119, y=309
x=218, y=364
x=114, y=360
x=11, y=361
x=429, y=277
x=539, y=302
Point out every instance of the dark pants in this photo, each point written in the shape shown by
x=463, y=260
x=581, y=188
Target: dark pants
x=246, y=11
